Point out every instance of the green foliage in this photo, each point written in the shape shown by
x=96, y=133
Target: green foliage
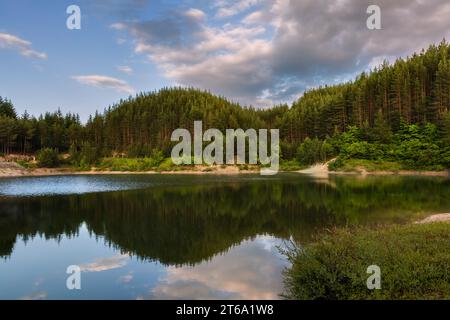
x=7, y=109
x=312, y=151
x=85, y=156
x=133, y=164
x=288, y=150
x=416, y=153
x=445, y=157
x=413, y=261
x=167, y=165
x=291, y=165
x=445, y=127
x=352, y=165
x=48, y=158
x=381, y=131
x=26, y=164
x=412, y=147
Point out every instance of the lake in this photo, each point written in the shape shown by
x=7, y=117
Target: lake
x=184, y=236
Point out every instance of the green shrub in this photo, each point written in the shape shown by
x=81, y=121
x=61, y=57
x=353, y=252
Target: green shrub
x=157, y=157
x=444, y=157
x=291, y=165
x=417, y=153
x=85, y=156
x=412, y=147
x=414, y=262
x=167, y=165
x=48, y=158
x=336, y=164
x=312, y=151
x=133, y=164
x=26, y=164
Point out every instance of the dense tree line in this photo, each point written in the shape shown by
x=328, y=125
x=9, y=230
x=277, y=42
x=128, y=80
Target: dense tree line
x=27, y=134
x=412, y=91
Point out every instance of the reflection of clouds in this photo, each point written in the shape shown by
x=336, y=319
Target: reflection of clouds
x=103, y=264
x=251, y=270
x=38, y=295
x=126, y=278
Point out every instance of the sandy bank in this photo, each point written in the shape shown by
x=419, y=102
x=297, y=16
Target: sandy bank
x=442, y=217
x=322, y=171
x=11, y=169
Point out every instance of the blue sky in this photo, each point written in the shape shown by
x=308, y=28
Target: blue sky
x=46, y=84
x=257, y=52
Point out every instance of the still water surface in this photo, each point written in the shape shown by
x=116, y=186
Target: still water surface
x=182, y=236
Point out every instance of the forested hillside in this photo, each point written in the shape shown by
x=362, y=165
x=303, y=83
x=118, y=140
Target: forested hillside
x=378, y=107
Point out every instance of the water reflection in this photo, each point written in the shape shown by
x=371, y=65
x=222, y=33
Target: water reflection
x=185, y=236
x=76, y=184
x=104, y=264
x=250, y=271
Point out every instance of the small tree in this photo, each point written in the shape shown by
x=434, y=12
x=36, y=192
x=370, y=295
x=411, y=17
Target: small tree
x=7, y=109
x=312, y=151
x=48, y=158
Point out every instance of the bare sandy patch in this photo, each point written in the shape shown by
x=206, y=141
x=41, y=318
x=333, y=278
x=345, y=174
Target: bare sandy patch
x=442, y=217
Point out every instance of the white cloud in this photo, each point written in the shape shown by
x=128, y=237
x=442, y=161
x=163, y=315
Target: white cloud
x=229, y=9
x=105, y=82
x=125, y=69
x=196, y=14
x=253, y=18
x=281, y=47
x=9, y=41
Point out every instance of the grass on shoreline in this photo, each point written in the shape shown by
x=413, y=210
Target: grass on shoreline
x=149, y=164
x=137, y=164
x=414, y=262
x=356, y=165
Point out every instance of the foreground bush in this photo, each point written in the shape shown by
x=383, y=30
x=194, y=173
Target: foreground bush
x=414, y=262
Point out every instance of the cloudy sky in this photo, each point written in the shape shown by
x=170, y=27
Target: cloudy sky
x=257, y=52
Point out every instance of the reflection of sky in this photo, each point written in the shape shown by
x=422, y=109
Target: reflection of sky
x=251, y=270
x=60, y=185
x=36, y=270
x=104, y=264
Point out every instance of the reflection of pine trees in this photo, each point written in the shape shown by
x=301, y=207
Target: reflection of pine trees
x=188, y=224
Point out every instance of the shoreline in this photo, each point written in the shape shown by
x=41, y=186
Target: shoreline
x=394, y=173
x=46, y=172
x=42, y=172
x=322, y=171
x=319, y=171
